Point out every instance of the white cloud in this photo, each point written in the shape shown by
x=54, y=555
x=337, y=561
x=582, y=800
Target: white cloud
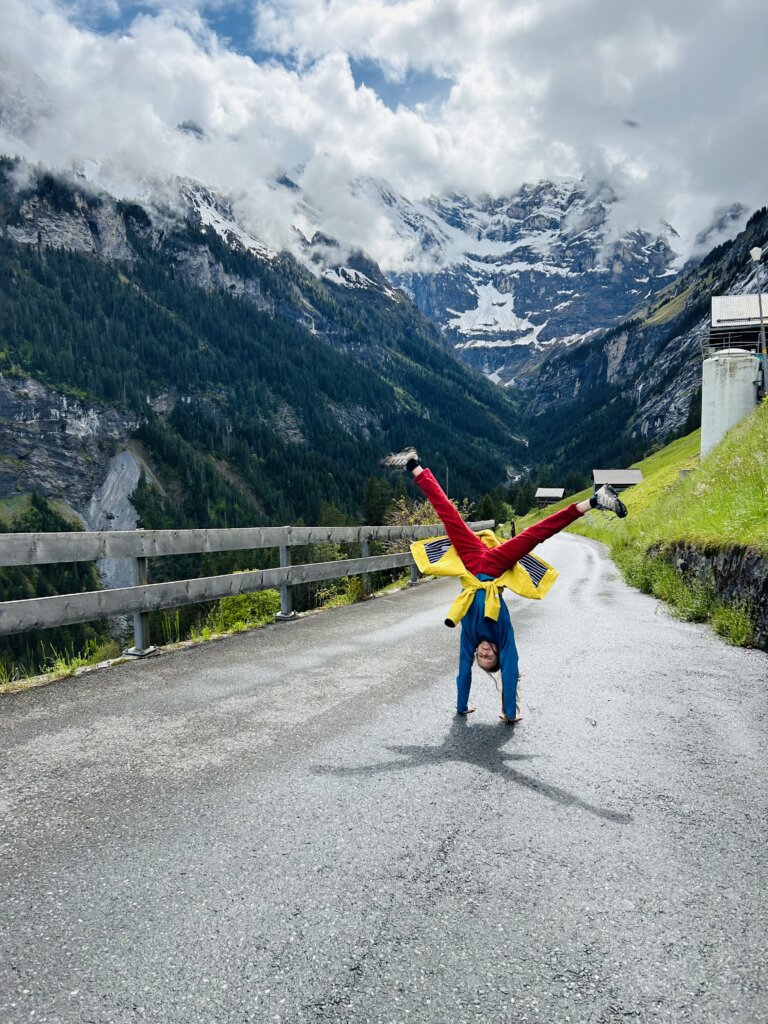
x=665, y=101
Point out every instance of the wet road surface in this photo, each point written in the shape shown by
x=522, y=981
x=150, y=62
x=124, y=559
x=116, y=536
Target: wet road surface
x=292, y=826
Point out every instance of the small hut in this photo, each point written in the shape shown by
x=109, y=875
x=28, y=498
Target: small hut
x=618, y=479
x=548, y=496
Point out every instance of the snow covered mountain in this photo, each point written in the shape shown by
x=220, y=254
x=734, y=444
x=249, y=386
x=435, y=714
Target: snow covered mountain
x=509, y=278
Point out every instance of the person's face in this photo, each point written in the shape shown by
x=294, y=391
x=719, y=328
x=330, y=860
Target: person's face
x=487, y=656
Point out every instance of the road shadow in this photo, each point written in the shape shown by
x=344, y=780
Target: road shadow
x=478, y=744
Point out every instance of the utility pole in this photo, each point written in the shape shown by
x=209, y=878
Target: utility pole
x=756, y=255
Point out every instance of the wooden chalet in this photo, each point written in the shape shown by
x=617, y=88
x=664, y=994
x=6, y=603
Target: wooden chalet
x=548, y=496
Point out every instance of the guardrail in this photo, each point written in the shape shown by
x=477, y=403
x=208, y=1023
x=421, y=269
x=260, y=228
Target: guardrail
x=18, y=549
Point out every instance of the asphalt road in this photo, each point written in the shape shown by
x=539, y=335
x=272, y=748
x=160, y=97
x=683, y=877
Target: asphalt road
x=292, y=826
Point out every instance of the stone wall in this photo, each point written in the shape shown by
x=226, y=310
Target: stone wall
x=739, y=575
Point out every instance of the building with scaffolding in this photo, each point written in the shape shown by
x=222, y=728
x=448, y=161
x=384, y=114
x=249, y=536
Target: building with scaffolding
x=733, y=378
x=735, y=322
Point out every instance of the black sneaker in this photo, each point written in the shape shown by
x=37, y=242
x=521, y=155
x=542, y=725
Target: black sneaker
x=406, y=459
x=608, y=500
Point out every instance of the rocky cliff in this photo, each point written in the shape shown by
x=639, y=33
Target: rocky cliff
x=48, y=213
x=652, y=362
x=57, y=446
x=74, y=452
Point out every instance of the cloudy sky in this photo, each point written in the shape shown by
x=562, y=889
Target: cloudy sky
x=665, y=99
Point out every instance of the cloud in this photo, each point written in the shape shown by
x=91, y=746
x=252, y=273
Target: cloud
x=543, y=89
x=537, y=90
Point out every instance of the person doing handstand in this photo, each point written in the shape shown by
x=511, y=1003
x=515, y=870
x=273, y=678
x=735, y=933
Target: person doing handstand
x=487, y=636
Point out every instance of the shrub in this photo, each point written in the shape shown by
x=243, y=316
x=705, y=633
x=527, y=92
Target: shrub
x=696, y=601
x=232, y=614
x=666, y=582
x=405, y=512
x=636, y=568
x=337, y=593
x=734, y=624
x=356, y=590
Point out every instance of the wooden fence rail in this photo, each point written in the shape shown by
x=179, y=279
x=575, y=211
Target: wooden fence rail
x=41, y=548
x=139, y=545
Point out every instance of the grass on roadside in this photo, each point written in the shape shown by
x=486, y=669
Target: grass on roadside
x=238, y=613
x=59, y=665
x=692, y=601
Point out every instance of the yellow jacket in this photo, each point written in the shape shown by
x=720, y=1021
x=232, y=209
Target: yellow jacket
x=530, y=577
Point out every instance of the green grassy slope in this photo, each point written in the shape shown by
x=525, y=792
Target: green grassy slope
x=720, y=503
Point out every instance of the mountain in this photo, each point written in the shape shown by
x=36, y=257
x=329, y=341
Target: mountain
x=509, y=278
x=636, y=386
x=240, y=359
x=164, y=343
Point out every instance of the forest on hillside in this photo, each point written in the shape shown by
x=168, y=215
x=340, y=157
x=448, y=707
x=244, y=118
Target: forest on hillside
x=298, y=419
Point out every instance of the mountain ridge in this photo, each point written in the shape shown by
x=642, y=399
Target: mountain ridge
x=629, y=373
x=645, y=374
x=298, y=383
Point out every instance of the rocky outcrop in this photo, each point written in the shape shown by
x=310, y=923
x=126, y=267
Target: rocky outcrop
x=739, y=576
x=64, y=449
x=54, y=445
x=203, y=271
x=85, y=224
x=356, y=420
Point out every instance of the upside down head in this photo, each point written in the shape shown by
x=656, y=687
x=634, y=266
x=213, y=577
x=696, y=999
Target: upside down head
x=487, y=655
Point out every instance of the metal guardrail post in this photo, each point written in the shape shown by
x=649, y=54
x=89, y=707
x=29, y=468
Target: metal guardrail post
x=141, y=645
x=414, y=575
x=286, y=613
x=365, y=551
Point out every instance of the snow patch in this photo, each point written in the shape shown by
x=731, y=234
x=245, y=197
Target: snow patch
x=227, y=229
x=351, y=278
x=493, y=313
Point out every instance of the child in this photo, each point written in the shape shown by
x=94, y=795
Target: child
x=487, y=636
